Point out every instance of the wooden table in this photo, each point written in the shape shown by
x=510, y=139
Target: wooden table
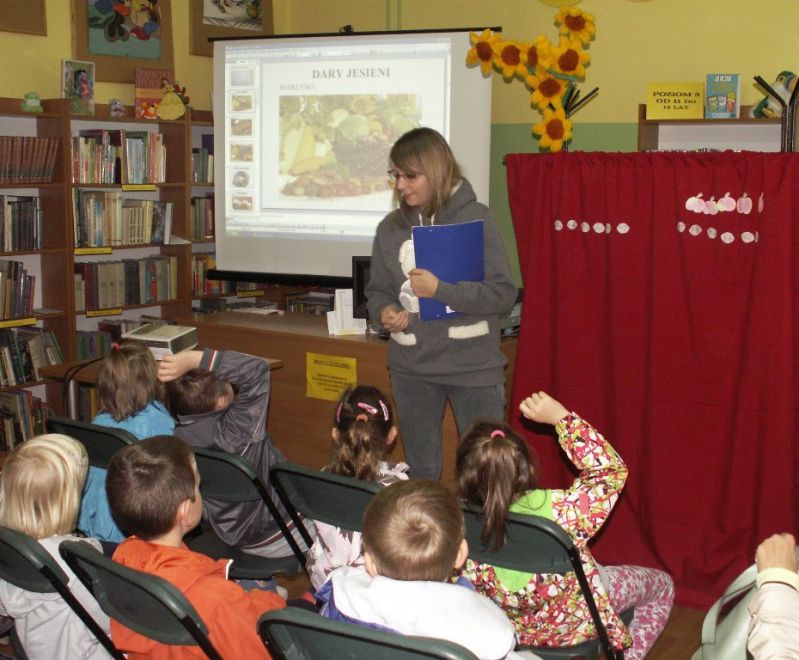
x=301, y=424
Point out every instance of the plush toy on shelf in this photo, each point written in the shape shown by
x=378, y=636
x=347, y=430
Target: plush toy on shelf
x=784, y=86
x=31, y=102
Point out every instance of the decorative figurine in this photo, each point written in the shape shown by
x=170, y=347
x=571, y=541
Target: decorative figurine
x=170, y=106
x=148, y=110
x=116, y=108
x=31, y=102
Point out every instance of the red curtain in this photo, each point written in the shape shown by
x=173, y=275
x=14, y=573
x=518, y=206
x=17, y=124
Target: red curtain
x=661, y=304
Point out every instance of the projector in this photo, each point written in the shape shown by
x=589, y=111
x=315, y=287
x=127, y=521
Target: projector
x=164, y=339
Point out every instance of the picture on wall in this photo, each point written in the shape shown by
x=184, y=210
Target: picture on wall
x=121, y=36
x=226, y=18
x=77, y=85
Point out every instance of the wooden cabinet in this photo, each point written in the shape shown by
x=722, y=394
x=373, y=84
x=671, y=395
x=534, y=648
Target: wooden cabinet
x=743, y=134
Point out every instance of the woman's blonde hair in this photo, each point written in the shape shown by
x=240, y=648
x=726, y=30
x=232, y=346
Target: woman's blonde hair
x=425, y=151
x=128, y=380
x=41, y=485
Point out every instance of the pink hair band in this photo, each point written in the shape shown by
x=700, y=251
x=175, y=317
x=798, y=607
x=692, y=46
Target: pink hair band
x=497, y=433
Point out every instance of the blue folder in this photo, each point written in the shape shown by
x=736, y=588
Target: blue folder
x=453, y=253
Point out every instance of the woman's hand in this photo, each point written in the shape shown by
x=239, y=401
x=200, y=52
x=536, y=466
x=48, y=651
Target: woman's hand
x=423, y=283
x=540, y=407
x=172, y=367
x=394, y=319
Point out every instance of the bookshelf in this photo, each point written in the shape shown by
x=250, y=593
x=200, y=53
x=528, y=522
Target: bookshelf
x=743, y=134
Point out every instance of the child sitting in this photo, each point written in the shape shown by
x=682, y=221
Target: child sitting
x=131, y=398
x=363, y=433
x=220, y=399
x=40, y=489
x=494, y=471
x=412, y=539
x=154, y=492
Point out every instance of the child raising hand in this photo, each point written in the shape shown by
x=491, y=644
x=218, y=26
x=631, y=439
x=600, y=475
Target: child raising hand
x=497, y=471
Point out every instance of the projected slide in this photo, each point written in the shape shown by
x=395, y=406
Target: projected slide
x=309, y=133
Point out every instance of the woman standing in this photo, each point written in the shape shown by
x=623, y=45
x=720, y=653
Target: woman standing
x=454, y=359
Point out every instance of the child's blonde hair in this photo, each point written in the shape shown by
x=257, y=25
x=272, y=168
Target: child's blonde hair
x=413, y=531
x=128, y=380
x=41, y=485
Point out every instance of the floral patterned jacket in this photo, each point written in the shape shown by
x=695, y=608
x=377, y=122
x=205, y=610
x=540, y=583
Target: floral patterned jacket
x=548, y=610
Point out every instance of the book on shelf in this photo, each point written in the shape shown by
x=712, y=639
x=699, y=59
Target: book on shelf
x=125, y=283
x=20, y=223
x=723, y=96
x=144, y=157
x=17, y=289
x=24, y=351
x=26, y=159
x=97, y=156
x=201, y=218
x=148, y=89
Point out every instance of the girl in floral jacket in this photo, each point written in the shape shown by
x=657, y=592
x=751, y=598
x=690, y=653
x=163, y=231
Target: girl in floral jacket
x=495, y=471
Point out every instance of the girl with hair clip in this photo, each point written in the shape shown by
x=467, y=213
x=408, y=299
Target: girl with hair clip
x=131, y=398
x=40, y=489
x=495, y=470
x=456, y=359
x=363, y=433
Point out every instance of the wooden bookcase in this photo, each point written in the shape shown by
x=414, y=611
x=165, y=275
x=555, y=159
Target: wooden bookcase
x=743, y=134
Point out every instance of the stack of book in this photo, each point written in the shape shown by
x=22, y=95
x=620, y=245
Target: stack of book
x=92, y=344
x=105, y=218
x=97, y=156
x=27, y=159
x=16, y=290
x=202, y=161
x=24, y=351
x=201, y=218
x=22, y=416
x=144, y=157
x=125, y=283
x=20, y=223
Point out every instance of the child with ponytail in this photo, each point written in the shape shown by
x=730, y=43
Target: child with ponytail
x=363, y=432
x=496, y=471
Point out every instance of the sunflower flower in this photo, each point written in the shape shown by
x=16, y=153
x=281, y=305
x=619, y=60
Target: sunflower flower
x=548, y=90
x=554, y=130
x=576, y=23
x=482, y=50
x=509, y=59
x=536, y=54
x=569, y=58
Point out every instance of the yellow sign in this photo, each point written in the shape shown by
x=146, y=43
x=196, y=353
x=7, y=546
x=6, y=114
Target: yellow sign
x=13, y=323
x=327, y=375
x=104, y=312
x=675, y=101
x=249, y=294
x=132, y=187
x=106, y=249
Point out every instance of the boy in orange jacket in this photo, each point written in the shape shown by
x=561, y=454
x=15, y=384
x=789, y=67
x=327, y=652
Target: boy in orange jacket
x=153, y=490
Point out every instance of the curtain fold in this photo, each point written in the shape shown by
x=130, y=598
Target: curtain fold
x=660, y=305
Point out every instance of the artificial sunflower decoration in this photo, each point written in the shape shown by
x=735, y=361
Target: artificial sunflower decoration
x=482, y=50
x=554, y=130
x=576, y=23
x=548, y=90
x=551, y=72
x=510, y=59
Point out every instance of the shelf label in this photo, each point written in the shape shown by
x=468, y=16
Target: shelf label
x=116, y=311
x=106, y=249
x=249, y=294
x=132, y=187
x=675, y=100
x=13, y=323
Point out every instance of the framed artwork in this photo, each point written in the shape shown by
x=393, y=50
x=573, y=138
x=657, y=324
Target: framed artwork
x=226, y=18
x=119, y=37
x=77, y=85
x=26, y=16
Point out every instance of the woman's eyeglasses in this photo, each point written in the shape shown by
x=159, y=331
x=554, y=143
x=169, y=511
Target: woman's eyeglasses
x=396, y=177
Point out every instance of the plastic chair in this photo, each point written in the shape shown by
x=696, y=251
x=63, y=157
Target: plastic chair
x=226, y=477
x=101, y=442
x=293, y=634
x=27, y=565
x=145, y=603
x=537, y=545
x=322, y=496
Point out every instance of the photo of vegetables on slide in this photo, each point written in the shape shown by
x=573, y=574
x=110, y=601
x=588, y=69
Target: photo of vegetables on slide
x=337, y=145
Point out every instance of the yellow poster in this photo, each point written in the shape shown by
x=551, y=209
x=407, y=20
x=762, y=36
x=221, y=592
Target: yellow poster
x=327, y=375
x=675, y=101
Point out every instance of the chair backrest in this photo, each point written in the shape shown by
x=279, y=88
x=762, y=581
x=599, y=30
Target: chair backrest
x=293, y=633
x=535, y=545
x=227, y=477
x=328, y=498
x=27, y=565
x=101, y=442
x=145, y=603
